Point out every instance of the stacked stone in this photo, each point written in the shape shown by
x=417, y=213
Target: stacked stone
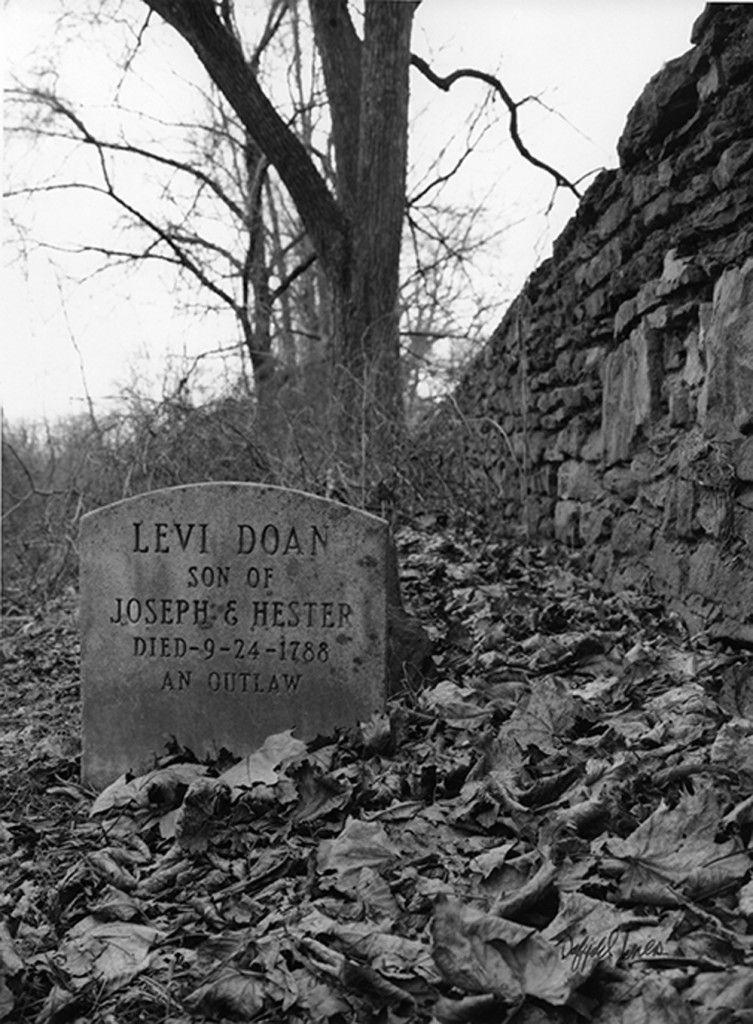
x=617, y=392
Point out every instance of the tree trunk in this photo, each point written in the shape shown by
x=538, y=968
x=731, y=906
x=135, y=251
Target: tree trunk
x=373, y=339
x=368, y=87
x=357, y=234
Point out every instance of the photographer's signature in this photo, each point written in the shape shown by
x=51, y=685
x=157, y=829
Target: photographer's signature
x=616, y=945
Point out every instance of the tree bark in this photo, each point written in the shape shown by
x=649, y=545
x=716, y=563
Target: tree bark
x=373, y=340
x=370, y=106
x=340, y=52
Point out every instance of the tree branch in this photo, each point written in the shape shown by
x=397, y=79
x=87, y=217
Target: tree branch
x=275, y=15
x=472, y=140
x=292, y=276
x=220, y=52
x=59, y=107
x=180, y=256
x=445, y=82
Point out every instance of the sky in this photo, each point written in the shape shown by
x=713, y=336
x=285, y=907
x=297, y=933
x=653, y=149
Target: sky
x=67, y=340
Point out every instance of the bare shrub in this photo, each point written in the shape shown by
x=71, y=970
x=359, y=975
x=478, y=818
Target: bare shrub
x=55, y=474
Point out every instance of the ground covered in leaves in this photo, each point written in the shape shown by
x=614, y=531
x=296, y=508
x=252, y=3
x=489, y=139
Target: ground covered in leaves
x=555, y=827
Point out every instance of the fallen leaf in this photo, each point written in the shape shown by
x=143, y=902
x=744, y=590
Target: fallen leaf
x=544, y=720
x=319, y=1000
x=11, y=965
x=361, y=844
x=262, y=764
x=478, y=953
x=234, y=994
x=109, y=869
x=676, y=845
x=113, y=952
x=10, y=962
x=318, y=793
x=206, y=801
x=161, y=787
x=728, y=990
x=733, y=745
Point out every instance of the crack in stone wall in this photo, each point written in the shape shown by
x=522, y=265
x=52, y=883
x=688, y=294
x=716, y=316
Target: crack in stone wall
x=621, y=378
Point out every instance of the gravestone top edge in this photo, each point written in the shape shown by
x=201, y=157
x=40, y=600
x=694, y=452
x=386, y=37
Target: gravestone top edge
x=234, y=485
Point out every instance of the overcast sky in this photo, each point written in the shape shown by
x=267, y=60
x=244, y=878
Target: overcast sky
x=587, y=60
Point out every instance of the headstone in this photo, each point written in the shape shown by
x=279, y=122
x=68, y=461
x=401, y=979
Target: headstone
x=218, y=614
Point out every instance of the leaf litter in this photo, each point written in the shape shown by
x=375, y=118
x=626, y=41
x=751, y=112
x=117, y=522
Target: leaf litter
x=555, y=826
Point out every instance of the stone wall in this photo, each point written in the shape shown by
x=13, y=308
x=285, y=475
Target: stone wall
x=613, y=407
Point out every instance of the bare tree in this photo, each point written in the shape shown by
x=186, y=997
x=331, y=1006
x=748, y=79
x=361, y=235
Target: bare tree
x=357, y=231
x=210, y=218
x=330, y=271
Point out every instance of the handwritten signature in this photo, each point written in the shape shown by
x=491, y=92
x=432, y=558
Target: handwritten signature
x=616, y=944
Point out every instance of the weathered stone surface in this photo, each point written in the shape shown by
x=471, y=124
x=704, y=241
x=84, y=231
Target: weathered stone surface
x=625, y=317
x=578, y=481
x=566, y=519
x=613, y=218
x=568, y=441
x=734, y=159
x=711, y=512
x=621, y=482
x=648, y=296
x=595, y=525
x=657, y=493
x=645, y=467
x=685, y=508
x=659, y=211
x=667, y=566
x=679, y=406
x=744, y=529
x=706, y=573
x=596, y=303
x=726, y=401
x=629, y=575
x=667, y=102
x=709, y=84
x=218, y=614
x=677, y=273
x=693, y=371
x=632, y=389
x=631, y=535
x=600, y=266
x=592, y=447
x=744, y=460
x=544, y=481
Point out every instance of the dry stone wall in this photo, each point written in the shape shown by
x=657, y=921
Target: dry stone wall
x=613, y=407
